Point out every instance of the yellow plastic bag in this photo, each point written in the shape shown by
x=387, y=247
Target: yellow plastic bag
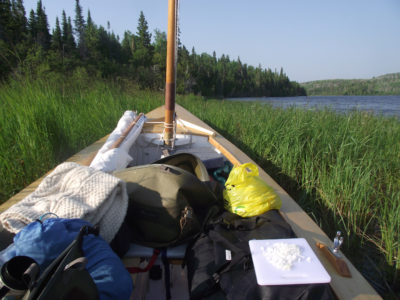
x=246, y=194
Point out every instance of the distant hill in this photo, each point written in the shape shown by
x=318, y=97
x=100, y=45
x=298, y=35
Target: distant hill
x=388, y=84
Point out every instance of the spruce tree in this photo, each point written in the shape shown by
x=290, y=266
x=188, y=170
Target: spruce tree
x=70, y=42
x=128, y=46
x=42, y=27
x=56, y=42
x=89, y=20
x=19, y=22
x=143, y=54
x=143, y=35
x=5, y=37
x=32, y=24
x=79, y=23
x=5, y=20
x=64, y=28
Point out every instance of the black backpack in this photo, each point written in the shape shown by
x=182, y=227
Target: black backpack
x=212, y=276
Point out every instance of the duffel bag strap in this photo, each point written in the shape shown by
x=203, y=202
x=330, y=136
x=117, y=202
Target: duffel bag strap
x=209, y=286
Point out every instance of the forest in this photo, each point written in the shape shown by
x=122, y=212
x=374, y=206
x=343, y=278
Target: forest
x=27, y=47
x=388, y=84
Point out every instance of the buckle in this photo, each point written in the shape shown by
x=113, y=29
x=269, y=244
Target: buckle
x=216, y=277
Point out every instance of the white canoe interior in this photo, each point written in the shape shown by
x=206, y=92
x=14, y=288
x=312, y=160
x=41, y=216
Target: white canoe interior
x=194, y=136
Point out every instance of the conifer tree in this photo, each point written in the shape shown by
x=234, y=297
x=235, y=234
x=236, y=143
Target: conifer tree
x=5, y=20
x=70, y=42
x=5, y=37
x=144, y=50
x=64, y=27
x=143, y=35
x=42, y=27
x=32, y=24
x=79, y=23
x=57, y=41
x=89, y=20
x=19, y=21
x=128, y=46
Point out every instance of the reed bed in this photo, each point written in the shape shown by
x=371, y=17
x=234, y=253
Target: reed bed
x=344, y=169
x=43, y=122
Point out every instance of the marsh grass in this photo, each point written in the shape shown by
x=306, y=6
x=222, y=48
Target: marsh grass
x=344, y=169
x=43, y=122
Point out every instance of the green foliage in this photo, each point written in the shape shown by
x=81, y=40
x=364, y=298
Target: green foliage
x=80, y=26
x=56, y=42
x=143, y=35
x=143, y=53
x=13, y=35
x=68, y=41
x=44, y=121
x=128, y=47
x=388, y=84
x=42, y=27
x=100, y=52
x=343, y=169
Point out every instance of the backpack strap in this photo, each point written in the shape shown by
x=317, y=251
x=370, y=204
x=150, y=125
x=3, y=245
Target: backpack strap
x=152, y=260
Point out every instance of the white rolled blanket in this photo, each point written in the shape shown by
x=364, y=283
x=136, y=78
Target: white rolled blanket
x=73, y=191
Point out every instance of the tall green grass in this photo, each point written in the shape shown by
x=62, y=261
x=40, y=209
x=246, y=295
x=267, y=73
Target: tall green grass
x=344, y=170
x=345, y=166
x=43, y=122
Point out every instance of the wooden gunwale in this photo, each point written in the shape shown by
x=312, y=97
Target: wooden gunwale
x=355, y=287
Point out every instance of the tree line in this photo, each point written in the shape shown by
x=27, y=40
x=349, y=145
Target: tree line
x=388, y=84
x=28, y=46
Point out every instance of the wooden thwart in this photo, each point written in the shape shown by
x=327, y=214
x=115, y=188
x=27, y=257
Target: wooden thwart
x=224, y=151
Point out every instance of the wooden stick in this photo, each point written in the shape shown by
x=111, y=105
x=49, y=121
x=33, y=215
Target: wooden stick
x=118, y=142
x=339, y=264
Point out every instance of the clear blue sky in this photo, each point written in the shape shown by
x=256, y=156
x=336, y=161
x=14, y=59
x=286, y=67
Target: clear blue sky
x=310, y=39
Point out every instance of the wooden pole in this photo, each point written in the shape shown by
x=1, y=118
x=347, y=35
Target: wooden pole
x=170, y=74
x=120, y=140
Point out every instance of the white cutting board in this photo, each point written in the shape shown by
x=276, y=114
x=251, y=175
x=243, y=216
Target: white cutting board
x=308, y=270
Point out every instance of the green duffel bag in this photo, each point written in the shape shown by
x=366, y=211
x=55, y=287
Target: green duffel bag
x=168, y=205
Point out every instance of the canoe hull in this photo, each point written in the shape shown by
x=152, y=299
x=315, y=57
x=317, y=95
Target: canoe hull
x=355, y=287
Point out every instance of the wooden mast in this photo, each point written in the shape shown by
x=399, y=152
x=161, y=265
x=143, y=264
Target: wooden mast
x=170, y=74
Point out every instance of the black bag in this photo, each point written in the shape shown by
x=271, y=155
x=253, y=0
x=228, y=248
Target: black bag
x=66, y=277
x=168, y=205
x=212, y=276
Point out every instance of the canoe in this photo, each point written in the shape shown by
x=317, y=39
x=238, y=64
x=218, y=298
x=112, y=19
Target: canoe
x=183, y=132
x=204, y=137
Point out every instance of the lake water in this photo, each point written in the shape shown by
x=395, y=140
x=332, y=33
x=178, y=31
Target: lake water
x=381, y=105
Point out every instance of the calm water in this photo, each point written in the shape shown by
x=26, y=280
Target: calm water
x=382, y=105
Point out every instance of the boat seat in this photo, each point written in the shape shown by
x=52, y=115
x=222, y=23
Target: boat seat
x=135, y=250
